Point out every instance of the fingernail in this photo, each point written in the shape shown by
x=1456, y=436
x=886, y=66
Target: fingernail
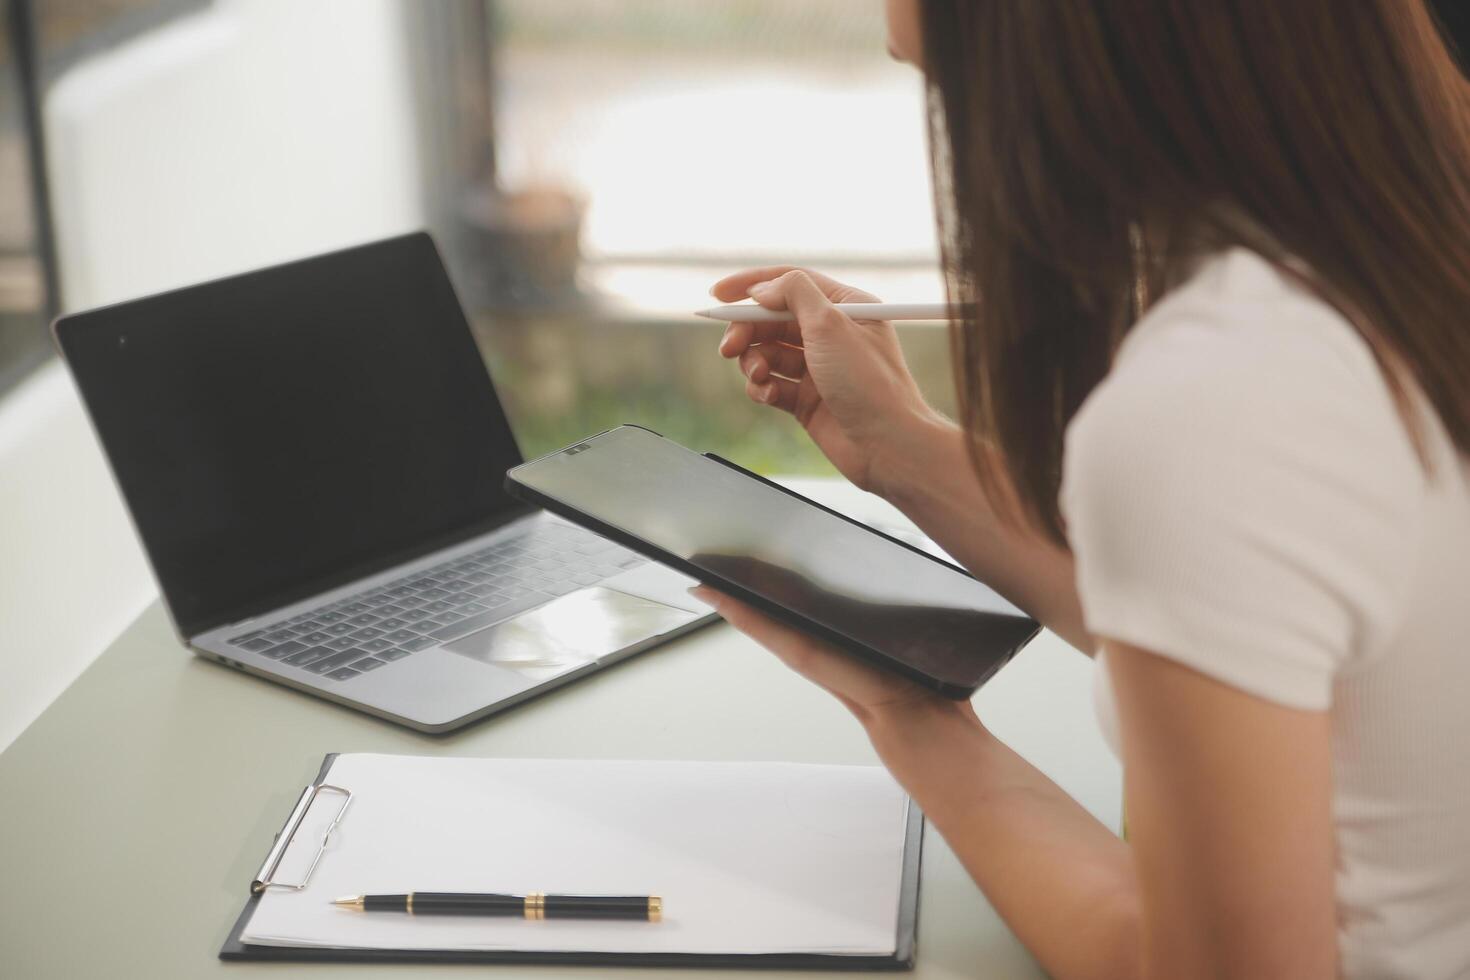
x=724, y=338
x=759, y=287
x=704, y=595
x=768, y=393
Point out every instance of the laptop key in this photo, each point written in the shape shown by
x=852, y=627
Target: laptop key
x=336, y=660
x=315, y=638
x=373, y=646
x=503, y=610
x=342, y=674
x=417, y=643
x=401, y=636
x=307, y=656
x=284, y=650
x=258, y=645
x=341, y=643
x=340, y=629
x=368, y=663
x=414, y=615
x=364, y=619
x=391, y=655
x=244, y=638
x=368, y=632
x=281, y=636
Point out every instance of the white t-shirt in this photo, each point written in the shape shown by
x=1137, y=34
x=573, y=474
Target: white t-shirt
x=1242, y=497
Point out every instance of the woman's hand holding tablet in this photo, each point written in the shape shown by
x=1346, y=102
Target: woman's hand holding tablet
x=782, y=555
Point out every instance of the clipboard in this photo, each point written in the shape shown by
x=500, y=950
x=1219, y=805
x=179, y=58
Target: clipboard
x=234, y=949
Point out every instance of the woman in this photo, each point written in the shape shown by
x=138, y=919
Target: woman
x=1215, y=406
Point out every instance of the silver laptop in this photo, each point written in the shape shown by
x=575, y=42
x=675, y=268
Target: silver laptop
x=313, y=456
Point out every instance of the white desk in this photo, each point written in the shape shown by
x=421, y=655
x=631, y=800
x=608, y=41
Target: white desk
x=135, y=810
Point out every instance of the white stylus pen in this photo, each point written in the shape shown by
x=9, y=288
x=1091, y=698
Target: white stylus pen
x=858, y=311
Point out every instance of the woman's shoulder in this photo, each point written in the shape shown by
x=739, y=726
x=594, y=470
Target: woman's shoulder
x=1209, y=479
x=1243, y=358
x=1239, y=320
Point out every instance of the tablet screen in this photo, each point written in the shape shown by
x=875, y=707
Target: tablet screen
x=922, y=615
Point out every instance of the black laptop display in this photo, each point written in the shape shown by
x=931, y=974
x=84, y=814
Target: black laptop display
x=329, y=425
x=280, y=433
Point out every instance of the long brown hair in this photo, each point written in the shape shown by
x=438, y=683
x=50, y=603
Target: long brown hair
x=1085, y=150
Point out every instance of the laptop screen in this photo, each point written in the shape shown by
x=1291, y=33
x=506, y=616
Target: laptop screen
x=286, y=431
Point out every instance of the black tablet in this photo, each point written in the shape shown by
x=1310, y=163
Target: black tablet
x=865, y=592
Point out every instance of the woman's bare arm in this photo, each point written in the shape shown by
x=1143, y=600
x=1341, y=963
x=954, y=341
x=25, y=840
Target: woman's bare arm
x=929, y=475
x=1229, y=872
x=847, y=384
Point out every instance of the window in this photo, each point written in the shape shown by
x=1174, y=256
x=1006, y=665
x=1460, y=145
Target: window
x=40, y=39
x=588, y=167
x=640, y=149
x=24, y=298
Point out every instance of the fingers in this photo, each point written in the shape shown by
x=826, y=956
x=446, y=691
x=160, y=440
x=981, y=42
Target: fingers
x=776, y=392
x=798, y=292
x=759, y=363
x=851, y=682
x=741, y=334
x=737, y=286
x=792, y=646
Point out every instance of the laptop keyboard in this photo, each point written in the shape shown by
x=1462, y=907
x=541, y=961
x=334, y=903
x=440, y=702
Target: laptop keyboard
x=363, y=632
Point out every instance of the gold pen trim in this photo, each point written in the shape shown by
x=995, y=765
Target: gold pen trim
x=409, y=903
x=350, y=902
x=535, y=905
x=655, y=909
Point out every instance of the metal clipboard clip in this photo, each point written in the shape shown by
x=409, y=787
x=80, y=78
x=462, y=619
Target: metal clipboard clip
x=265, y=877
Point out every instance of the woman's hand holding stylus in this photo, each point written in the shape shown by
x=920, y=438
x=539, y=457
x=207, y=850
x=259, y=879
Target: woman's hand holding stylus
x=844, y=380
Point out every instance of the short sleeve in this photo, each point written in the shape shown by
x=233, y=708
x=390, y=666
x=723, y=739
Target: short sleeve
x=1242, y=497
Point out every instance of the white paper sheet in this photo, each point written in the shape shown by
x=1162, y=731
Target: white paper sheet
x=748, y=857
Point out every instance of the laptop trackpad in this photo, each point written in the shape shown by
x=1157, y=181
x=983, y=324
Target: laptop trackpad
x=570, y=631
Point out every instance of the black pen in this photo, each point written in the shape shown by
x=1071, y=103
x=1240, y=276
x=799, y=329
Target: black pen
x=536, y=905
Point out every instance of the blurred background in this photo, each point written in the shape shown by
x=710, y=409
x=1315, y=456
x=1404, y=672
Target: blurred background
x=588, y=167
